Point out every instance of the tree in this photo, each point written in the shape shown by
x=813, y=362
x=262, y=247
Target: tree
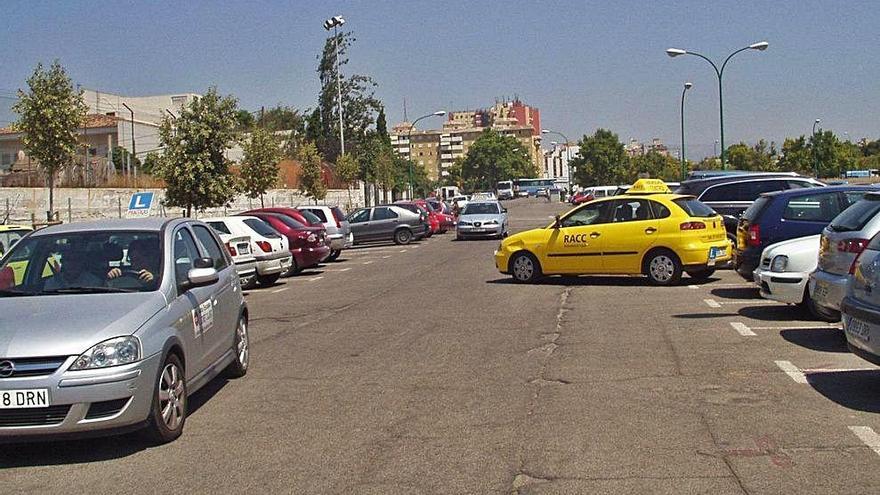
x=656, y=166
x=760, y=158
x=120, y=159
x=244, y=120
x=282, y=118
x=347, y=171
x=358, y=101
x=311, y=181
x=150, y=162
x=601, y=160
x=382, y=126
x=50, y=113
x=495, y=157
x=259, y=167
x=796, y=156
x=314, y=130
x=194, y=166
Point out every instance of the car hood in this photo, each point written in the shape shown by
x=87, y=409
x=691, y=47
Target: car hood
x=481, y=218
x=67, y=325
x=791, y=245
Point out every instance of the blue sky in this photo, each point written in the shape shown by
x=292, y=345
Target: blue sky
x=584, y=64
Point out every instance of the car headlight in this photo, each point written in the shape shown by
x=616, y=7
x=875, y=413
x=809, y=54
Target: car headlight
x=112, y=352
x=779, y=263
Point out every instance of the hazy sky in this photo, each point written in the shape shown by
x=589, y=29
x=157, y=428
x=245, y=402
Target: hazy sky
x=584, y=64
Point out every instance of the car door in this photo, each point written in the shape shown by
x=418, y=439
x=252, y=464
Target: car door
x=359, y=222
x=220, y=338
x=805, y=215
x=198, y=302
x=632, y=229
x=383, y=222
x=576, y=245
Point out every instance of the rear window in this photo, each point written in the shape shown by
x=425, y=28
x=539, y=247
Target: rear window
x=289, y=221
x=757, y=207
x=874, y=245
x=318, y=213
x=694, y=207
x=220, y=227
x=261, y=228
x=813, y=208
x=311, y=217
x=338, y=213
x=856, y=216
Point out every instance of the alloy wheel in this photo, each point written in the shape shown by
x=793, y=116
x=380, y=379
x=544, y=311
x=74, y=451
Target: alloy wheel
x=523, y=268
x=242, y=344
x=662, y=268
x=172, y=396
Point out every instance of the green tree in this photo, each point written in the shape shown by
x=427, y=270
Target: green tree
x=454, y=178
x=601, y=160
x=358, y=102
x=150, y=161
x=382, y=126
x=761, y=157
x=50, y=114
x=259, y=167
x=244, y=120
x=282, y=118
x=494, y=157
x=347, y=170
x=832, y=156
x=796, y=156
x=194, y=166
x=311, y=181
x=120, y=159
x=656, y=166
x=314, y=131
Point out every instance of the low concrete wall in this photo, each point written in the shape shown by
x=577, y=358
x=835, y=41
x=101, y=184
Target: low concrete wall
x=73, y=204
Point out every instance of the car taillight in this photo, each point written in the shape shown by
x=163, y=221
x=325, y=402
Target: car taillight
x=265, y=246
x=852, y=245
x=754, y=236
x=338, y=220
x=692, y=226
x=231, y=249
x=855, y=263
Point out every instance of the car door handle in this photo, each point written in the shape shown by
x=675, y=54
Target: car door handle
x=595, y=235
x=650, y=230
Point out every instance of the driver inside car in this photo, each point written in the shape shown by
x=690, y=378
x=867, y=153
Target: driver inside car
x=143, y=256
x=73, y=272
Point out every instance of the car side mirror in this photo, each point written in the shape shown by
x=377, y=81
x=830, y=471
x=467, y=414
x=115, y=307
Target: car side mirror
x=557, y=222
x=200, y=277
x=503, y=210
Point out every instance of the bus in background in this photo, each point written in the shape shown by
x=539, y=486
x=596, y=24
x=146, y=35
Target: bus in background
x=530, y=187
x=504, y=189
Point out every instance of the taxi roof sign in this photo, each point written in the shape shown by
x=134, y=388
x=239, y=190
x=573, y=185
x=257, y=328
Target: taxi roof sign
x=649, y=186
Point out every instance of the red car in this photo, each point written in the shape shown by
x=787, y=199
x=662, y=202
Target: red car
x=447, y=219
x=581, y=197
x=434, y=215
x=303, y=217
x=308, y=243
x=432, y=221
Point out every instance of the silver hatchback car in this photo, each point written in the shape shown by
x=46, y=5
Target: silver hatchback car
x=111, y=325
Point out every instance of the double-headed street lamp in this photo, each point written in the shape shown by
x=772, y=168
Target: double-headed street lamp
x=438, y=113
x=815, y=156
x=760, y=46
x=567, y=153
x=334, y=23
x=687, y=86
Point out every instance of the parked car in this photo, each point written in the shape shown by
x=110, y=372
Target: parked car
x=842, y=241
x=301, y=216
x=581, y=197
x=784, y=272
x=239, y=247
x=444, y=214
x=482, y=219
x=10, y=234
x=783, y=215
x=308, y=244
x=338, y=229
x=268, y=246
x=436, y=218
x=860, y=307
x=431, y=224
x=459, y=201
x=386, y=223
x=484, y=196
x=731, y=195
x=132, y=318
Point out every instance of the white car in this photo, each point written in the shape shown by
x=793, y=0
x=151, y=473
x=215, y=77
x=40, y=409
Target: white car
x=784, y=272
x=270, y=248
x=239, y=248
x=483, y=196
x=459, y=201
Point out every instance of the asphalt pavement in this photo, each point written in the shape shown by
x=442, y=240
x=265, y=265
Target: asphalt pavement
x=421, y=369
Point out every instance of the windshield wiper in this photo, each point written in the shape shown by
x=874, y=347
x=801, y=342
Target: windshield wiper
x=15, y=293
x=86, y=290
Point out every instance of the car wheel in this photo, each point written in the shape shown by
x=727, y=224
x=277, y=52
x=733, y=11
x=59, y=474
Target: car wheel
x=267, y=280
x=293, y=270
x=334, y=254
x=525, y=268
x=701, y=274
x=250, y=284
x=821, y=312
x=241, y=348
x=402, y=236
x=168, y=412
x=663, y=267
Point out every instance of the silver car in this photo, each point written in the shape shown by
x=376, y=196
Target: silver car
x=482, y=219
x=110, y=325
x=842, y=240
x=386, y=223
x=337, y=226
x=861, y=306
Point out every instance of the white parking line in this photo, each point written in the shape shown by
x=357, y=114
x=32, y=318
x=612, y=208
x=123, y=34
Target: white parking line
x=693, y=286
x=868, y=436
x=815, y=371
x=315, y=278
x=800, y=327
x=792, y=371
x=335, y=269
x=742, y=329
x=711, y=303
x=368, y=262
x=276, y=291
x=385, y=257
x=403, y=250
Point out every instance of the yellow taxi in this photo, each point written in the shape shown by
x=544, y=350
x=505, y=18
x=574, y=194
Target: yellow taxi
x=647, y=231
x=9, y=235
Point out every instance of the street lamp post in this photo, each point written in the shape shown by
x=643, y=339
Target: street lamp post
x=675, y=52
x=687, y=86
x=438, y=113
x=334, y=23
x=815, y=156
x=567, y=153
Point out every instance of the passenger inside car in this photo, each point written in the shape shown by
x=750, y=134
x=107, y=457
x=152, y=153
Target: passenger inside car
x=72, y=271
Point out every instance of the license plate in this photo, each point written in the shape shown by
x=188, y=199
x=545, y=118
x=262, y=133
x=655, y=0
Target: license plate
x=715, y=252
x=821, y=290
x=858, y=329
x=285, y=263
x=478, y=230
x=17, y=399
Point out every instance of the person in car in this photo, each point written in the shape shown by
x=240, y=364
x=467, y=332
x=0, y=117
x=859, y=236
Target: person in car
x=73, y=273
x=143, y=256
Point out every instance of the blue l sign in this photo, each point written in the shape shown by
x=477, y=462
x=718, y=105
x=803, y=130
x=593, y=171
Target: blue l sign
x=140, y=204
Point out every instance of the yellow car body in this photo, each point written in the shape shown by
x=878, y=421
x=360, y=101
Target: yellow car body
x=624, y=235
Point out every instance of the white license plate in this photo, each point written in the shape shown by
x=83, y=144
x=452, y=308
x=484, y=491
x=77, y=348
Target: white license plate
x=478, y=230
x=716, y=252
x=858, y=329
x=17, y=399
x=821, y=290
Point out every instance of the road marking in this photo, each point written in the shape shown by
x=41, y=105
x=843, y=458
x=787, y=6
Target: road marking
x=693, y=286
x=814, y=371
x=386, y=257
x=367, y=262
x=335, y=269
x=792, y=371
x=403, y=250
x=800, y=327
x=868, y=436
x=711, y=303
x=315, y=278
x=742, y=329
x=750, y=301
x=276, y=291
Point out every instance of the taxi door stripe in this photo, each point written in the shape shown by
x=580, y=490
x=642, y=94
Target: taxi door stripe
x=562, y=255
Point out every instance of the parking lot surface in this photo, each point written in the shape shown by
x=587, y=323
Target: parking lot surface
x=421, y=369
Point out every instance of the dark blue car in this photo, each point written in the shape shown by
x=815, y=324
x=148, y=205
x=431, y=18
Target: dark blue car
x=784, y=215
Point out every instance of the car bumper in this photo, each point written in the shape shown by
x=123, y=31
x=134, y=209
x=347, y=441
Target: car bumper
x=746, y=262
x=466, y=231
x=786, y=287
x=246, y=270
x=861, y=326
x=696, y=256
x=76, y=392
x=827, y=289
x=271, y=264
x=309, y=257
x=338, y=242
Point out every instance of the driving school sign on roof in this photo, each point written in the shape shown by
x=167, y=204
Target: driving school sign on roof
x=140, y=205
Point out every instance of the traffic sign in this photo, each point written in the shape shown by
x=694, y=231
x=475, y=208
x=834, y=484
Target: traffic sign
x=141, y=204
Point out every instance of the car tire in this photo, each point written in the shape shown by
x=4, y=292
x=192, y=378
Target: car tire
x=701, y=274
x=402, y=236
x=171, y=384
x=663, y=267
x=524, y=268
x=241, y=348
x=251, y=283
x=334, y=255
x=268, y=280
x=821, y=312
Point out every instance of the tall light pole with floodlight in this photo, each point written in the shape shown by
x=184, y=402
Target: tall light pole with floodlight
x=438, y=113
x=334, y=23
x=815, y=155
x=675, y=52
x=687, y=86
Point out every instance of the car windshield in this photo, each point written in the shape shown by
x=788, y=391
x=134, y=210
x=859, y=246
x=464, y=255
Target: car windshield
x=856, y=216
x=481, y=209
x=9, y=238
x=83, y=263
x=694, y=208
